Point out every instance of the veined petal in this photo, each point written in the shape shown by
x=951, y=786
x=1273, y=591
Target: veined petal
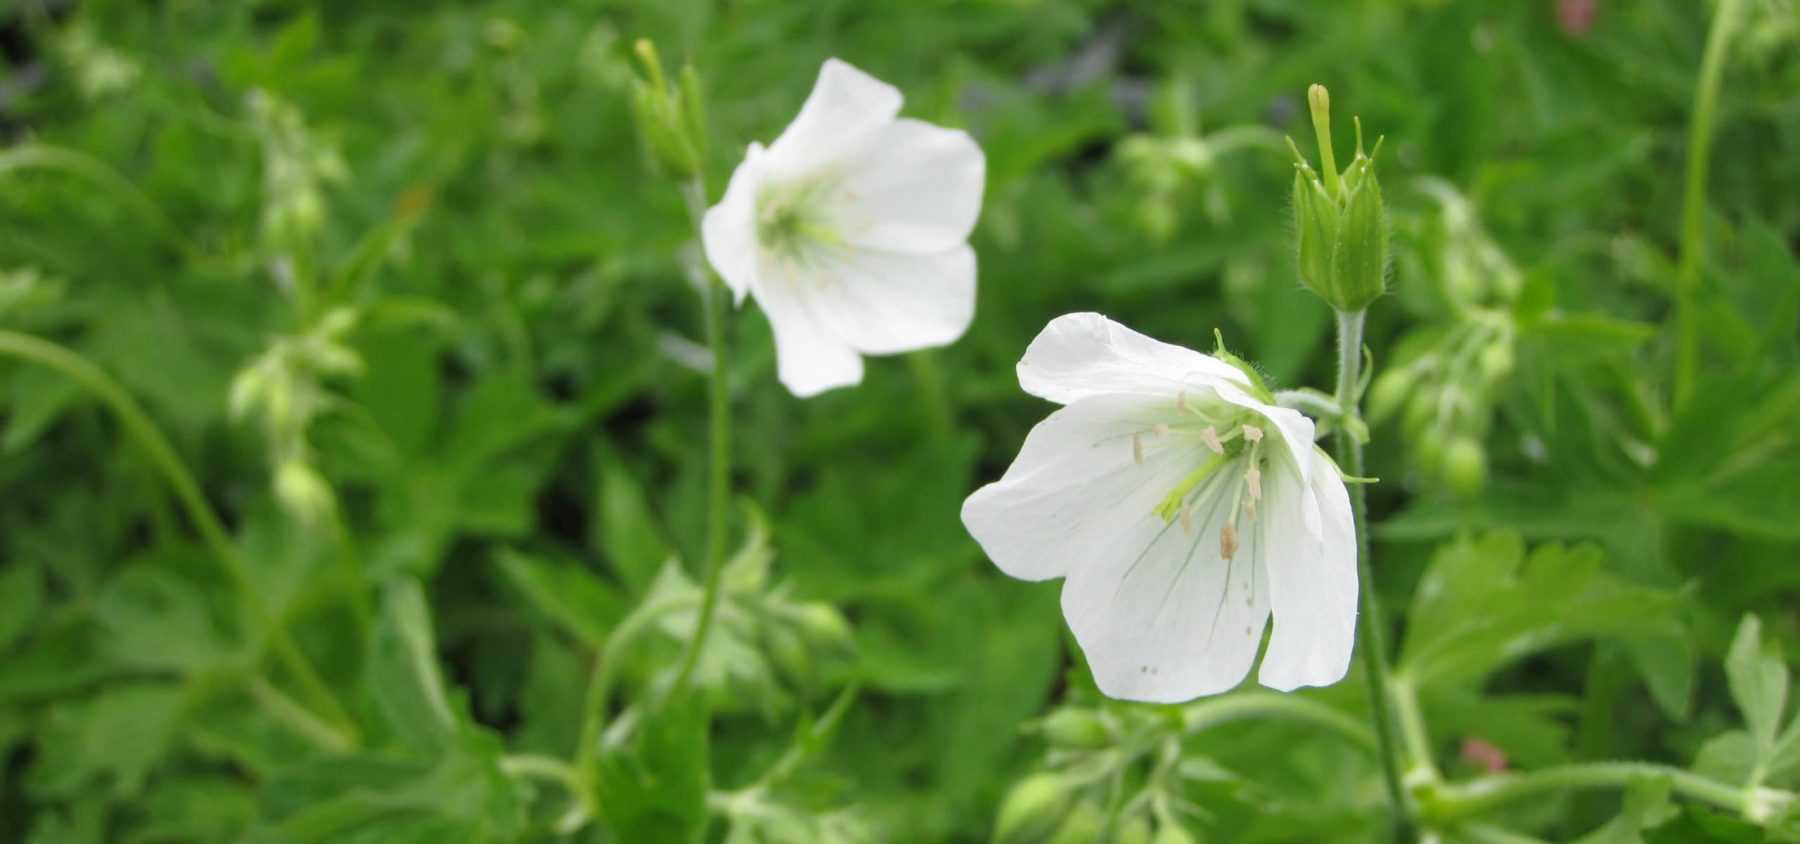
x=1086, y=354
x=912, y=187
x=728, y=231
x=809, y=356
x=1312, y=581
x=1161, y=614
x=882, y=302
x=1076, y=484
x=846, y=105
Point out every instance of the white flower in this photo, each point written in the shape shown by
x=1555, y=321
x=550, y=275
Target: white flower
x=851, y=230
x=1183, y=509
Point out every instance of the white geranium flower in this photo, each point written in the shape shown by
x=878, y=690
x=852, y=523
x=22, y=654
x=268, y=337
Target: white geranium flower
x=851, y=231
x=1184, y=508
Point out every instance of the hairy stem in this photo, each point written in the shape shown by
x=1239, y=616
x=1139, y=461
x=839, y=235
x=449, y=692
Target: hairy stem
x=1255, y=704
x=1373, y=632
x=718, y=476
x=1693, y=200
x=139, y=427
x=1453, y=802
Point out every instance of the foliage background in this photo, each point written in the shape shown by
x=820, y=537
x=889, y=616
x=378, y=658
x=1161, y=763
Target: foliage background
x=520, y=444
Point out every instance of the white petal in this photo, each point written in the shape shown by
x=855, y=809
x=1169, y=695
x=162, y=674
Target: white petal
x=809, y=357
x=1086, y=354
x=845, y=107
x=728, y=231
x=1075, y=484
x=1296, y=436
x=1161, y=615
x=1312, y=581
x=914, y=187
x=881, y=302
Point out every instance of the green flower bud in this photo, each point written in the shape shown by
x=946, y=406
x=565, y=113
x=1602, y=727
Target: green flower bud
x=1496, y=360
x=1134, y=831
x=1388, y=393
x=1172, y=834
x=1465, y=465
x=823, y=626
x=1076, y=728
x=670, y=118
x=1032, y=810
x=305, y=495
x=1082, y=826
x=1340, y=220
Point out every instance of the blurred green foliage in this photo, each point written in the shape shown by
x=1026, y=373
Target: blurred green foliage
x=398, y=285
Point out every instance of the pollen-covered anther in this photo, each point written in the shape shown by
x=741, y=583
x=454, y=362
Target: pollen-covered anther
x=1252, y=434
x=1253, y=480
x=1187, y=520
x=1228, y=542
x=1210, y=435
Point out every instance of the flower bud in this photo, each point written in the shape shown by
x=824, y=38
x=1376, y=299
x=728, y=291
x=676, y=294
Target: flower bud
x=1032, y=810
x=1076, y=728
x=823, y=626
x=1388, y=393
x=305, y=495
x=1083, y=825
x=670, y=117
x=1340, y=220
x=1134, y=831
x=1465, y=465
x=1172, y=834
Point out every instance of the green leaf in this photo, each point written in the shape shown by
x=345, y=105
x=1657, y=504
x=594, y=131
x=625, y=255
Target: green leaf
x=21, y=591
x=1759, y=684
x=566, y=593
x=1483, y=603
x=111, y=740
x=655, y=788
x=1646, y=806
x=404, y=670
x=626, y=529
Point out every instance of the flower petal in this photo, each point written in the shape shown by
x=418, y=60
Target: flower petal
x=881, y=302
x=1161, y=615
x=1086, y=354
x=1312, y=581
x=845, y=106
x=728, y=231
x=1076, y=484
x=1297, y=433
x=913, y=187
x=809, y=357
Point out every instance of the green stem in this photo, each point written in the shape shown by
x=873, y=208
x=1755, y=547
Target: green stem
x=1212, y=712
x=1453, y=802
x=548, y=768
x=1413, y=735
x=139, y=427
x=718, y=485
x=1373, y=631
x=600, y=682
x=1693, y=200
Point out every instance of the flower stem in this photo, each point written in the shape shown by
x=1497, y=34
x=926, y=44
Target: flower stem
x=1373, y=631
x=1693, y=200
x=139, y=427
x=1212, y=712
x=718, y=476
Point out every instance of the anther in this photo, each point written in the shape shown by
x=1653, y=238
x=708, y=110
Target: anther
x=1253, y=479
x=1228, y=544
x=1160, y=429
x=1252, y=434
x=1187, y=520
x=1211, y=436
x=1137, y=450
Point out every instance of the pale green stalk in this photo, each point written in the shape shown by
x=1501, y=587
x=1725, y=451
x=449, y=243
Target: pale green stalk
x=1693, y=200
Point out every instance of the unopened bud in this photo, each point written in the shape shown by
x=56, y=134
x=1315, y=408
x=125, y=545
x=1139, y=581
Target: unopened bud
x=1082, y=826
x=1134, y=831
x=1032, y=810
x=1388, y=393
x=305, y=495
x=670, y=117
x=1340, y=220
x=1465, y=465
x=1172, y=834
x=823, y=626
x=1076, y=728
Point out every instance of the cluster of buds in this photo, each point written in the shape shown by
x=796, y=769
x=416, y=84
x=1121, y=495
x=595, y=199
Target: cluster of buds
x=1445, y=381
x=1067, y=804
x=671, y=117
x=297, y=165
x=283, y=389
x=1339, y=219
